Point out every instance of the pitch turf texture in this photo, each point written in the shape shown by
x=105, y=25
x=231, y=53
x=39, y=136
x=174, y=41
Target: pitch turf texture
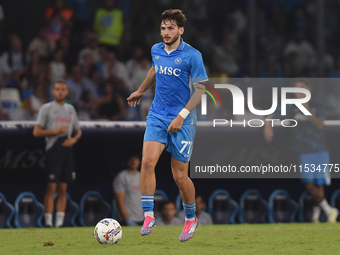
x=323, y=238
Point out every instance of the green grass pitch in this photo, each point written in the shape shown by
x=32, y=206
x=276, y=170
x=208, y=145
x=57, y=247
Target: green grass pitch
x=299, y=238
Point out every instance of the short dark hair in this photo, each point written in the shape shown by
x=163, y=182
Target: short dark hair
x=306, y=81
x=173, y=14
x=60, y=81
x=167, y=203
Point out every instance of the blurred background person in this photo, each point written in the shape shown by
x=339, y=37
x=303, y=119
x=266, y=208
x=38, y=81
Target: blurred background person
x=92, y=49
x=58, y=19
x=309, y=141
x=78, y=83
x=57, y=68
x=34, y=102
x=117, y=72
x=15, y=60
x=42, y=44
x=127, y=193
x=36, y=70
x=111, y=105
x=168, y=215
x=109, y=25
x=57, y=121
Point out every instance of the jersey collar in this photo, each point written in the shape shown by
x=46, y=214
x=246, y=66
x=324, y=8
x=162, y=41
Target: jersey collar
x=180, y=47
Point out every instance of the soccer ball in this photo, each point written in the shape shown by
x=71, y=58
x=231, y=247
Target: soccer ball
x=108, y=231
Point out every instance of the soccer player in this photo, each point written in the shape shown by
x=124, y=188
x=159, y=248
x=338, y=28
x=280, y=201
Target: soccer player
x=310, y=143
x=56, y=122
x=177, y=70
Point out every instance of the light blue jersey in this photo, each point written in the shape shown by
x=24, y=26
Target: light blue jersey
x=175, y=75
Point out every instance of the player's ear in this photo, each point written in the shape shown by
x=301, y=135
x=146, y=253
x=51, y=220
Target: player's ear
x=181, y=30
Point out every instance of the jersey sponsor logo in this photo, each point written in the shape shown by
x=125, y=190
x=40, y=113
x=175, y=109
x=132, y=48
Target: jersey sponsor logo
x=67, y=119
x=135, y=187
x=178, y=61
x=157, y=57
x=168, y=70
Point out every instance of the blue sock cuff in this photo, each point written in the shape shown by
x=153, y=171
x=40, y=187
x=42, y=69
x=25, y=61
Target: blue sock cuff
x=147, y=203
x=189, y=206
x=147, y=197
x=189, y=210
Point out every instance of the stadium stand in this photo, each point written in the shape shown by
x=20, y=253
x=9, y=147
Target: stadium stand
x=6, y=212
x=253, y=208
x=10, y=103
x=93, y=208
x=28, y=211
x=281, y=208
x=222, y=208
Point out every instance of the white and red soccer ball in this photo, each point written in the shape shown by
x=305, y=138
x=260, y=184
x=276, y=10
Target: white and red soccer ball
x=108, y=231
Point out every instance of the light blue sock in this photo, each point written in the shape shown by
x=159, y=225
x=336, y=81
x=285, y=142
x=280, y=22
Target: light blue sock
x=147, y=203
x=189, y=210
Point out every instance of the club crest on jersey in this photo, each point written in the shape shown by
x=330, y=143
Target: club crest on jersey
x=167, y=70
x=178, y=61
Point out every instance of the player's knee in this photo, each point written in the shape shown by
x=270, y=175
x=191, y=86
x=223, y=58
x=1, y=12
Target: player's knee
x=148, y=164
x=51, y=189
x=179, y=177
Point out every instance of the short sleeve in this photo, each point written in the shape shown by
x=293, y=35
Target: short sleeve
x=197, y=69
x=76, y=124
x=152, y=55
x=119, y=184
x=42, y=116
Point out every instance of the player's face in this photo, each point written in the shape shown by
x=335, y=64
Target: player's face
x=301, y=85
x=170, y=31
x=60, y=92
x=199, y=204
x=134, y=163
x=169, y=211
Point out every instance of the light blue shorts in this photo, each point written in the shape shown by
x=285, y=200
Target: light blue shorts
x=316, y=164
x=179, y=144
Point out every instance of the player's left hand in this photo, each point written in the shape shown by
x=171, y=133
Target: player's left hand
x=176, y=124
x=69, y=142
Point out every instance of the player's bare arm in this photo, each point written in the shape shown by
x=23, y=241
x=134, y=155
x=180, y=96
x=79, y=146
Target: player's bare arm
x=150, y=80
x=71, y=141
x=38, y=131
x=195, y=99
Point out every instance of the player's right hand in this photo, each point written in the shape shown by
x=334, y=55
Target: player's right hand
x=134, y=98
x=268, y=133
x=61, y=129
